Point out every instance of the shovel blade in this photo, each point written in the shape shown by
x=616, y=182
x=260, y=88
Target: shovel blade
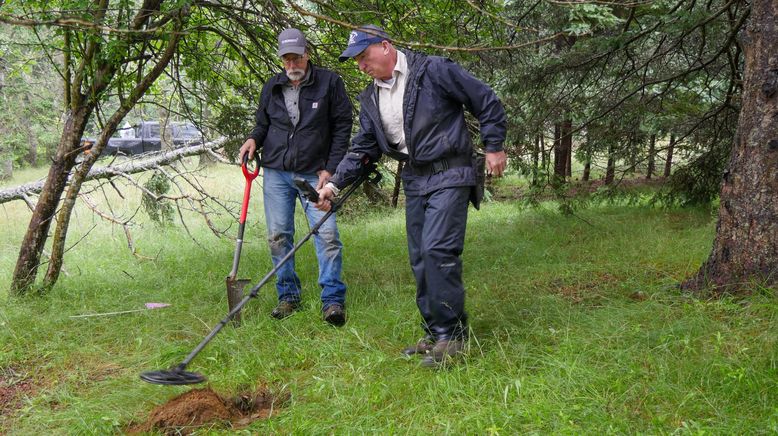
x=235, y=295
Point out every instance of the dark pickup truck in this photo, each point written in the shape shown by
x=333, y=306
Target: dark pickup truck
x=145, y=137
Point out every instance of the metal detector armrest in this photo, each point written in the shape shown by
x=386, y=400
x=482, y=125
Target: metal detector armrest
x=307, y=190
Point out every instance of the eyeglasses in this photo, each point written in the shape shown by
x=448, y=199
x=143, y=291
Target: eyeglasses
x=295, y=59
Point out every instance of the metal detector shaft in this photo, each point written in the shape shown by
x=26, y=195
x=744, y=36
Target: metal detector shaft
x=255, y=290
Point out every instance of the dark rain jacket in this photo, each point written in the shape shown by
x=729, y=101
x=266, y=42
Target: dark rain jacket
x=436, y=92
x=321, y=136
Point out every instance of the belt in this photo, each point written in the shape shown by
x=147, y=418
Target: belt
x=440, y=165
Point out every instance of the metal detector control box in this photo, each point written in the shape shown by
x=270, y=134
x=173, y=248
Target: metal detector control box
x=307, y=190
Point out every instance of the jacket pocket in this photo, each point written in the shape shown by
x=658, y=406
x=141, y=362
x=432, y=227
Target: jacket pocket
x=274, y=146
x=314, y=107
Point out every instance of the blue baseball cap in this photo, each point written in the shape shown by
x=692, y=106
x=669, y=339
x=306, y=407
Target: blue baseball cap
x=361, y=39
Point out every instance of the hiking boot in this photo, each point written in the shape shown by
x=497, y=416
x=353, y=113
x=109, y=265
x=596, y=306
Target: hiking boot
x=443, y=352
x=284, y=309
x=422, y=346
x=335, y=314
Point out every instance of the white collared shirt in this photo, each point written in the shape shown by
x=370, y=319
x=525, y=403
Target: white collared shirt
x=390, y=103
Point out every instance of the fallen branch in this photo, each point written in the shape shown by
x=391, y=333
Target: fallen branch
x=145, y=162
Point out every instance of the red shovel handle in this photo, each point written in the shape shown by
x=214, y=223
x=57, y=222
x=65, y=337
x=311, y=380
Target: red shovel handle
x=244, y=166
x=250, y=176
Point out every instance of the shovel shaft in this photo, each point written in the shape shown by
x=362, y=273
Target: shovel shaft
x=238, y=248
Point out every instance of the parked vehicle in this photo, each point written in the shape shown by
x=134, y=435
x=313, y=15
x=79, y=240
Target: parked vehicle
x=144, y=137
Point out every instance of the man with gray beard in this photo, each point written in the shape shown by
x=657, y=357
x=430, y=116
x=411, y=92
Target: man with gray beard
x=303, y=126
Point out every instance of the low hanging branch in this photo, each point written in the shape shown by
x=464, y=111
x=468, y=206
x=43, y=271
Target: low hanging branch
x=416, y=45
x=147, y=162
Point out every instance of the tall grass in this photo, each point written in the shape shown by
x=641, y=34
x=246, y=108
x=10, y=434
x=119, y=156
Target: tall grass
x=577, y=327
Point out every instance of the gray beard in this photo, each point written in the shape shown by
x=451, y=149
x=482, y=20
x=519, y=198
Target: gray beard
x=296, y=74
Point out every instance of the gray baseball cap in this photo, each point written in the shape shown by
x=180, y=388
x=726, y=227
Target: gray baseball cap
x=291, y=41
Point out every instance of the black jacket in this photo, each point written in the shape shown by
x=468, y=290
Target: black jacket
x=436, y=92
x=321, y=136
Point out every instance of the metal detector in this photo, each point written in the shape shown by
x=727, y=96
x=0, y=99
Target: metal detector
x=178, y=375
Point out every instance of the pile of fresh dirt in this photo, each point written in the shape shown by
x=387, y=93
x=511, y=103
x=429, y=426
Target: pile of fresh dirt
x=204, y=407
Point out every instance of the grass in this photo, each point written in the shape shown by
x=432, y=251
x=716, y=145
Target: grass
x=577, y=327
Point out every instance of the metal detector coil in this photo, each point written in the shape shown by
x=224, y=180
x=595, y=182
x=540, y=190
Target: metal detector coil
x=173, y=376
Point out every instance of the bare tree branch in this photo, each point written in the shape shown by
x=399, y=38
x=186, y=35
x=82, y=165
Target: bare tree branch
x=341, y=23
x=110, y=218
x=148, y=161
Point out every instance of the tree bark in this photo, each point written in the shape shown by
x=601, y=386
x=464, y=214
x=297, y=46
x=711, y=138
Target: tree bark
x=38, y=229
x=669, y=159
x=6, y=169
x=560, y=159
x=32, y=140
x=651, y=152
x=6, y=159
x=536, y=158
x=610, y=171
x=745, y=250
x=32, y=146
x=567, y=145
x=587, y=171
x=165, y=132
x=397, y=182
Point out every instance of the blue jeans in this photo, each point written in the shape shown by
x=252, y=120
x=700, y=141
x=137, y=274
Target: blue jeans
x=280, y=195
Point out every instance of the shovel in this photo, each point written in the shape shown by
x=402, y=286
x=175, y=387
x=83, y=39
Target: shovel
x=234, y=285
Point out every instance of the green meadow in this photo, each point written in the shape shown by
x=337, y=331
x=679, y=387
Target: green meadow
x=577, y=326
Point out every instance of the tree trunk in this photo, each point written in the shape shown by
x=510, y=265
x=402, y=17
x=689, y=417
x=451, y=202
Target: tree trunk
x=6, y=157
x=397, y=181
x=60, y=234
x=587, y=171
x=745, y=250
x=38, y=229
x=32, y=140
x=6, y=168
x=32, y=146
x=669, y=160
x=610, y=171
x=165, y=132
x=560, y=159
x=631, y=158
x=535, y=158
x=651, y=152
x=567, y=144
